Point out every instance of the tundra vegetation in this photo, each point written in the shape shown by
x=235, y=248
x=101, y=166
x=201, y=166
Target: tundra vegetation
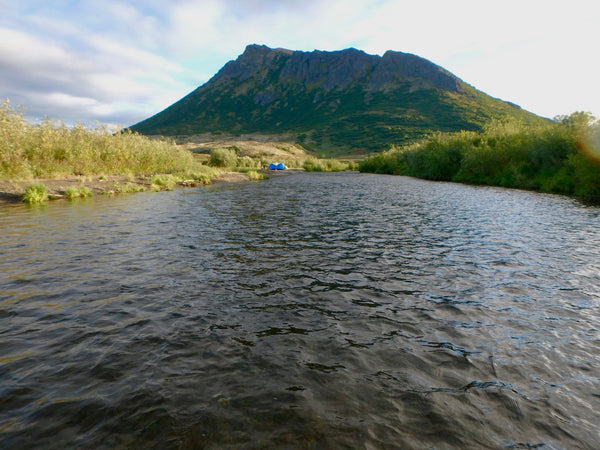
x=562, y=156
x=52, y=149
x=328, y=165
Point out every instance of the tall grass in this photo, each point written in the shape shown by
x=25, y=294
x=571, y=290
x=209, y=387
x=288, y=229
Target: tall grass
x=328, y=165
x=253, y=175
x=561, y=157
x=52, y=149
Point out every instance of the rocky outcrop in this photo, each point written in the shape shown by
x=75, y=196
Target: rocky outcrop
x=337, y=70
x=327, y=70
x=397, y=67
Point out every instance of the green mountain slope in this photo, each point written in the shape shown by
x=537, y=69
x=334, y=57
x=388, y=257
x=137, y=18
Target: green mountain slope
x=332, y=102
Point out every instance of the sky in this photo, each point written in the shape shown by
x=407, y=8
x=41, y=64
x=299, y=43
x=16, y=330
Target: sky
x=118, y=62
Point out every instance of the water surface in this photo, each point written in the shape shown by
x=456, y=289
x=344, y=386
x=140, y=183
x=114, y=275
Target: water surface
x=306, y=311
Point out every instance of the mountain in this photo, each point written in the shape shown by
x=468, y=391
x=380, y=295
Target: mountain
x=332, y=102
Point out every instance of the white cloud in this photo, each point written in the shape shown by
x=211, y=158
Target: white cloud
x=97, y=68
x=539, y=54
x=121, y=61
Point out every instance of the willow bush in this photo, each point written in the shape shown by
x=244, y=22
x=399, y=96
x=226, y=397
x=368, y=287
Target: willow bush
x=327, y=165
x=52, y=149
x=561, y=157
x=223, y=157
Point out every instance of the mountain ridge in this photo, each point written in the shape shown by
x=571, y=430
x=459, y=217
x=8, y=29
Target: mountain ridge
x=332, y=102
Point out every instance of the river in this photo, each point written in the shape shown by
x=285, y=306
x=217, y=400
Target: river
x=305, y=311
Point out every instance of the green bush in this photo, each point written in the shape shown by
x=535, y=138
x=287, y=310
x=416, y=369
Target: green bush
x=132, y=188
x=255, y=176
x=586, y=177
x=561, y=157
x=50, y=149
x=327, y=165
x=203, y=174
x=223, y=157
x=248, y=162
x=75, y=192
x=165, y=181
x=35, y=193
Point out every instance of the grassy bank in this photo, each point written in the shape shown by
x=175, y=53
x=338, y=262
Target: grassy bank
x=48, y=160
x=561, y=157
x=52, y=149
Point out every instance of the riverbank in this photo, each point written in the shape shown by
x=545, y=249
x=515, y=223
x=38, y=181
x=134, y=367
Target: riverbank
x=50, y=160
x=57, y=188
x=78, y=160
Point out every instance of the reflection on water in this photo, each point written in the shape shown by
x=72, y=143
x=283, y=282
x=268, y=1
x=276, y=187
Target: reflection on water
x=307, y=311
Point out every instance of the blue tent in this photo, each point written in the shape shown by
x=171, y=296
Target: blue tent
x=276, y=166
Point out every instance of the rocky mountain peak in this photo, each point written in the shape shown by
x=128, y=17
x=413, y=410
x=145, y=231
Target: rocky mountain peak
x=337, y=70
x=395, y=66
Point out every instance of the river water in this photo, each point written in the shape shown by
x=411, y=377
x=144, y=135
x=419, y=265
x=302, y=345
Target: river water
x=305, y=311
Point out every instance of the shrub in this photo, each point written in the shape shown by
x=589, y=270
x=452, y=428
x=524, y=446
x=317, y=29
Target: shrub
x=326, y=165
x=255, y=176
x=223, y=157
x=561, y=157
x=247, y=162
x=35, y=193
x=203, y=174
x=50, y=149
x=392, y=161
x=165, y=181
x=586, y=175
x=131, y=188
x=75, y=192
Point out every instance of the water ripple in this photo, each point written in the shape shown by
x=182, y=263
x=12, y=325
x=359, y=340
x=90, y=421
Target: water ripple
x=307, y=311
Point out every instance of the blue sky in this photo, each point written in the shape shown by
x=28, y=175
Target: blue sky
x=119, y=62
